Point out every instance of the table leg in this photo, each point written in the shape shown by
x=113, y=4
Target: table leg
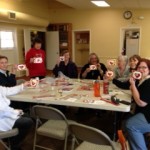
x=115, y=125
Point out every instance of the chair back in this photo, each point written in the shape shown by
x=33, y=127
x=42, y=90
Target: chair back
x=89, y=134
x=7, y=134
x=47, y=112
x=47, y=121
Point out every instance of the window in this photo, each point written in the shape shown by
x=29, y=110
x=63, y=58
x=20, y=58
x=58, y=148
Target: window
x=7, y=39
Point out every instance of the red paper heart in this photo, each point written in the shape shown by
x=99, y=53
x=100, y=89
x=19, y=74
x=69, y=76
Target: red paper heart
x=109, y=73
x=111, y=62
x=136, y=75
x=92, y=67
x=33, y=82
x=21, y=67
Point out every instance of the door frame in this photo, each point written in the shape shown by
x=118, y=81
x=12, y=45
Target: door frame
x=27, y=37
x=73, y=41
x=122, y=34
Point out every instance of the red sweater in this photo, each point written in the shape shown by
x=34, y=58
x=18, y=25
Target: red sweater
x=35, y=69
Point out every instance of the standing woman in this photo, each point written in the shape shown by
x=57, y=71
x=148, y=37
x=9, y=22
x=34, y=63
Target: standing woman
x=66, y=66
x=98, y=72
x=139, y=124
x=35, y=60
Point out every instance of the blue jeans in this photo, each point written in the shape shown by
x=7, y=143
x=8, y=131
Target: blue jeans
x=136, y=126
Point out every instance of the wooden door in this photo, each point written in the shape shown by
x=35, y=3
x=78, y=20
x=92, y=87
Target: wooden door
x=52, y=48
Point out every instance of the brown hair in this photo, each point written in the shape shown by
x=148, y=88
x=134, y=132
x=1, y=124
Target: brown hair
x=135, y=57
x=147, y=61
x=3, y=57
x=64, y=52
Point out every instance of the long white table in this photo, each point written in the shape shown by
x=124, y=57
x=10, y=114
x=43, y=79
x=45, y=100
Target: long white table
x=76, y=93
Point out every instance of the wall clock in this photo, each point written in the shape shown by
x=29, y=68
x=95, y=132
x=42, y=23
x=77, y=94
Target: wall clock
x=127, y=14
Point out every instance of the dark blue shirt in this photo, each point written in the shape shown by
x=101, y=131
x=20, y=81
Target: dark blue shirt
x=8, y=80
x=69, y=70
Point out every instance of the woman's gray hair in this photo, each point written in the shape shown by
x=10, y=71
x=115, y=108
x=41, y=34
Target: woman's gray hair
x=124, y=58
x=93, y=54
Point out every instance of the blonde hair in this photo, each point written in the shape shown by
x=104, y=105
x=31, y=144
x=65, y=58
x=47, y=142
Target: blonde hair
x=93, y=54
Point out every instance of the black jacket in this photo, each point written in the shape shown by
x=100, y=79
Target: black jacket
x=7, y=81
x=93, y=74
x=69, y=70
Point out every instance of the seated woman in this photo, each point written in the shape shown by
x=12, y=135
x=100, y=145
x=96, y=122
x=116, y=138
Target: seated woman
x=98, y=70
x=133, y=61
x=139, y=123
x=66, y=66
x=92, y=70
x=13, y=118
x=122, y=72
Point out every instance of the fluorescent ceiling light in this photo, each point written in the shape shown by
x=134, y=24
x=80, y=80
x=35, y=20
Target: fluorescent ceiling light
x=101, y=3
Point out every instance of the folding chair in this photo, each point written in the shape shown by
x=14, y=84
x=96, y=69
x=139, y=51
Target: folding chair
x=92, y=138
x=55, y=126
x=7, y=135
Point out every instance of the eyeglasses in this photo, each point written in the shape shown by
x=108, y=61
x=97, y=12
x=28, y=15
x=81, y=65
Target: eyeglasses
x=142, y=67
x=93, y=57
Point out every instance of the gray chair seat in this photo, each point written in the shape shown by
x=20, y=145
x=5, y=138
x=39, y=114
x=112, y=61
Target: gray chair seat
x=90, y=146
x=117, y=145
x=54, y=129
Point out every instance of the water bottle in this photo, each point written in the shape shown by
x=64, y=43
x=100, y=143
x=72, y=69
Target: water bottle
x=96, y=88
x=106, y=86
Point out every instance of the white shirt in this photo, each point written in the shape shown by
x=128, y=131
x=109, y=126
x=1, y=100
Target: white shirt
x=8, y=115
x=4, y=72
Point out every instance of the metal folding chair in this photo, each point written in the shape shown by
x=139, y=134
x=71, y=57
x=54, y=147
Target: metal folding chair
x=7, y=135
x=91, y=138
x=55, y=126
